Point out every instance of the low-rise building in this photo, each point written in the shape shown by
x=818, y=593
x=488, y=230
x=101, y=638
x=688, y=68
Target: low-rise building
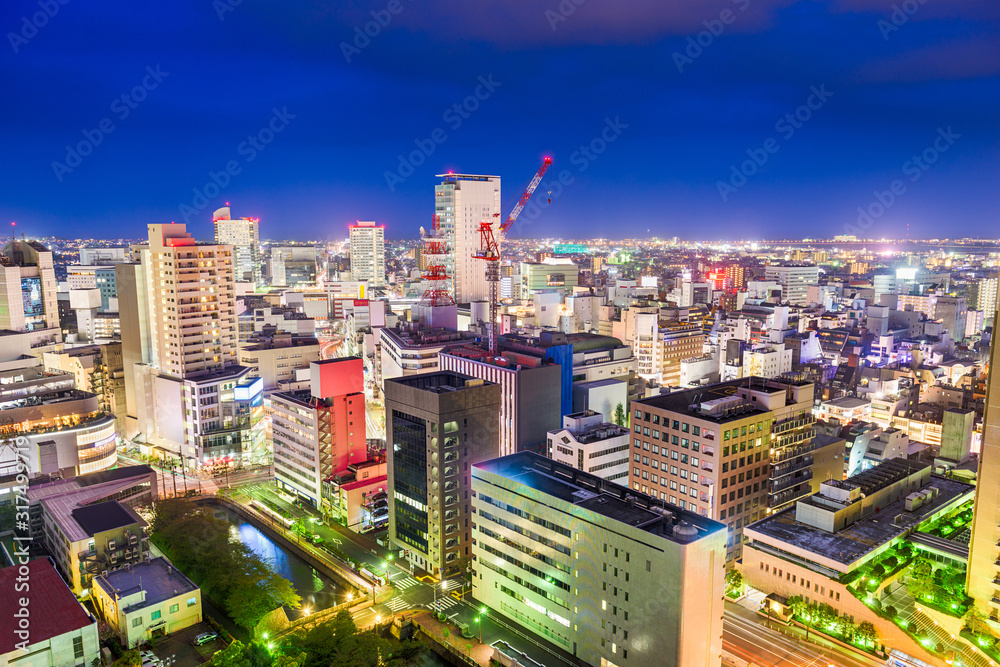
x=275, y=359
x=611, y=576
x=586, y=442
x=148, y=600
x=43, y=624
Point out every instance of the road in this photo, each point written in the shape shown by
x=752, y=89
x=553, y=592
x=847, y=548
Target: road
x=203, y=481
x=746, y=637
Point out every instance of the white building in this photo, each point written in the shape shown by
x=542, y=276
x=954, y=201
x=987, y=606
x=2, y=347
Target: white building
x=588, y=443
x=462, y=201
x=368, y=253
x=613, y=576
x=767, y=360
x=244, y=235
x=794, y=281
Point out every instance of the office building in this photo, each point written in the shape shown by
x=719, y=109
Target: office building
x=558, y=275
x=611, y=576
x=794, y=280
x=319, y=431
x=28, y=288
x=461, y=202
x=243, y=234
x=59, y=629
x=952, y=312
x=293, y=266
x=588, y=443
x=368, y=253
x=97, y=369
x=147, y=601
x=529, y=387
x=277, y=359
x=411, y=350
x=438, y=425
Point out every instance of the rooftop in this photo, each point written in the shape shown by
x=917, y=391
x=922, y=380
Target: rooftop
x=689, y=401
x=598, y=495
x=440, y=382
x=108, y=515
x=52, y=607
x=866, y=534
x=158, y=578
x=847, y=402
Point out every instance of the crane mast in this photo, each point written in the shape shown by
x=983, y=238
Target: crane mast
x=489, y=250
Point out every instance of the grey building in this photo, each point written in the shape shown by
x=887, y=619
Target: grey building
x=437, y=426
x=615, y=577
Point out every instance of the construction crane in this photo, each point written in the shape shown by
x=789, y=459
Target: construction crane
x=489, y=249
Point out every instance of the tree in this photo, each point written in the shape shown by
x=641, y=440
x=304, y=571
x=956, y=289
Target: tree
x=129, y=659
x=845, y=627
x=866, y=633
x=734, y=582
x=338, y=642
x=920, y=583
x=234, y=655
x=975, y=620
x=620, y=418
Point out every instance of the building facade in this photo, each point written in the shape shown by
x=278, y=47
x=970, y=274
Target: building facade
x=461, y=202
x=438, y=425
x=243, y=234
x=368, y=253
x=588, y=443
x=611, y=576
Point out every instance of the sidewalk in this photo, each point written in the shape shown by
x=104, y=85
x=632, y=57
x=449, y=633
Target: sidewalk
x=448, y=634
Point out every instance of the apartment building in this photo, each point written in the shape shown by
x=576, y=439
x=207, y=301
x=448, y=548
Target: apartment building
x=461, y=202
x=437, y=426
x=320, y=431
x=368, y=252
x=794, y=280
x=243, y=234
x=28, y=288
x=614, y=577
x=277, y=359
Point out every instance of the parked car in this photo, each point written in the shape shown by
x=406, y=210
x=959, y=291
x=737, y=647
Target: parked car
x=366, y=529
x=315, y=539
x=205, y=638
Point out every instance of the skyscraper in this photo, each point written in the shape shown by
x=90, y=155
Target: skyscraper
x=462, y=201
x=185, y=391
x=368, y=253
x=983, y=569
x=244, y=235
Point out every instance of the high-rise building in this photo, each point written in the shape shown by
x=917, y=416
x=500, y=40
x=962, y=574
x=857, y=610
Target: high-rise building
x=983, y=570
x=293, y=265
x=368, y=253
x=794, y=280
x=320, y=431
x=185, y=392
x=612, y=576
x=244, y=235
x=437, y=426
x=462, y=201
x=28, y=288
x=951, y=310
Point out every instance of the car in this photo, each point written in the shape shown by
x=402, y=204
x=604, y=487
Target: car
x=366, y=529
x=149, y=659
x=315, y=539
x=205, y=638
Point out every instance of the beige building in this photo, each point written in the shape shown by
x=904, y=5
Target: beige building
x=984, y=554
x=461, y=202
x=243, y=234
x=148, y=600
x=28, y=288
x=276, y=359
x=368, y=253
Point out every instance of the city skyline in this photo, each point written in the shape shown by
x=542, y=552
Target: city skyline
x=175, y=127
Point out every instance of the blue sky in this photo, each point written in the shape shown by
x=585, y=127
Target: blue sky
x=665, y=119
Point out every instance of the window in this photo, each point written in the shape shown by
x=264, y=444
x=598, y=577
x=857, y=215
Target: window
x=174, y=608
x=77, y=647
x=192, y=602
x=155, y=615
x=137, y=621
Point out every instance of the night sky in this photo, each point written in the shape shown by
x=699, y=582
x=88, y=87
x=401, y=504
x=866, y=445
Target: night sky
x=704, y=119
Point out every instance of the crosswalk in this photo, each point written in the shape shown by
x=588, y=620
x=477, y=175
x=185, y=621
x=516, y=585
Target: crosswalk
x=444, y=603
x=405, y=583
x=397, y=604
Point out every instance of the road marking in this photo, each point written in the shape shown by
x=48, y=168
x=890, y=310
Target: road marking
x=405, y=582
x=396, y=604
x=443, y=603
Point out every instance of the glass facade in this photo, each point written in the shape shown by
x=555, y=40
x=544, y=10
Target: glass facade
x=409, y=466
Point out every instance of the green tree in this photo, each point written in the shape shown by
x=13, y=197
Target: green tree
x=234, y=655
x=920, y=583
x=734, y=582
x=866, y=633
x=976, y=621
x=620, y=418
x=129, y=659
x=338, y=642
x=845, y=627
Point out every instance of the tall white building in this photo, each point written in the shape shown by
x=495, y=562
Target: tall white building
x=244, y=235
x=462, y=201
x=186, y=393
x=794, y=281
x=368, y=253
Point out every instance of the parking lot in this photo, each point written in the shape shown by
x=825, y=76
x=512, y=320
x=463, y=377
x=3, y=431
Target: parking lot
x=177, y=649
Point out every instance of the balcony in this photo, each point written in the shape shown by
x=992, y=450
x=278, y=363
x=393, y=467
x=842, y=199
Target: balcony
x=779, y=485
x=789, y=467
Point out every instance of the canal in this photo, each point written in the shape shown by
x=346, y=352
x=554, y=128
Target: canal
x=317, y=590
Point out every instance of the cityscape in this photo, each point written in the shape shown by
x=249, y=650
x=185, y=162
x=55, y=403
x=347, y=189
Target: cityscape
x=490, y=335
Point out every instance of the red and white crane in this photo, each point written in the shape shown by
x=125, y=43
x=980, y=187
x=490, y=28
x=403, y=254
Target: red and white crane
x=489, y=249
